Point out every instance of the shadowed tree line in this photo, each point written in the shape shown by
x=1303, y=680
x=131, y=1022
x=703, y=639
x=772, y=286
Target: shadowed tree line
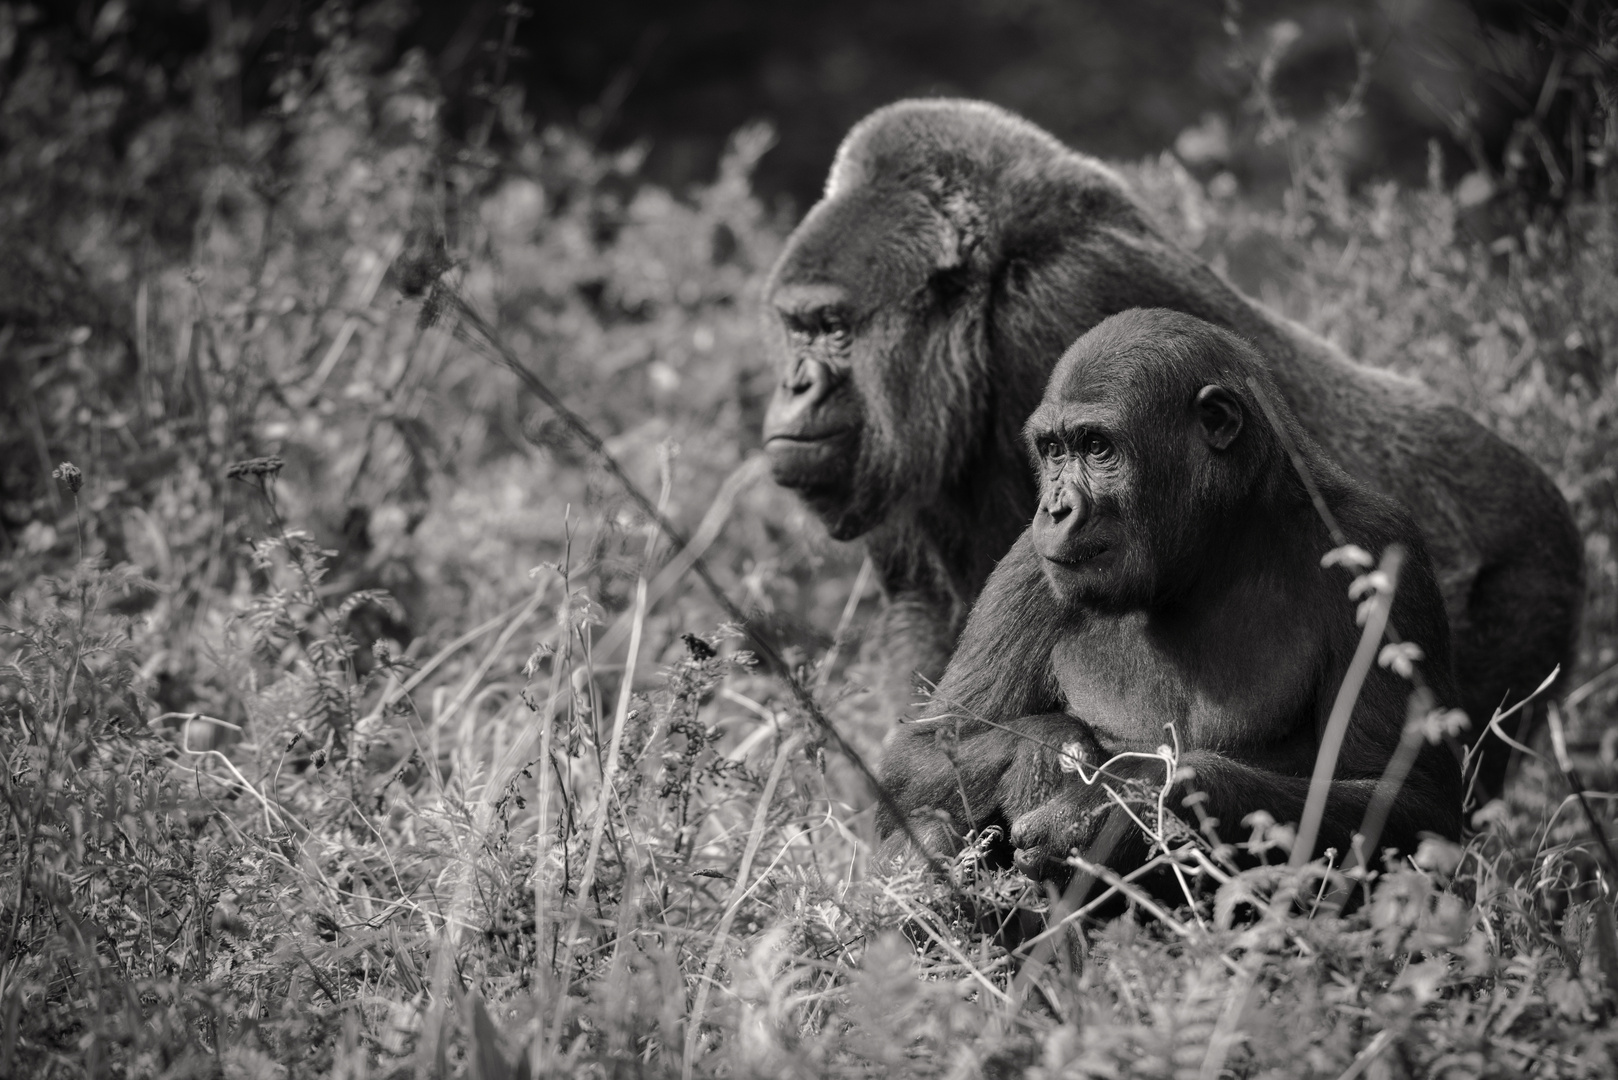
x=1507, y=88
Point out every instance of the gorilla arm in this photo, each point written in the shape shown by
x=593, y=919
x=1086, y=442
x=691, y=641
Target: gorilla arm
x=1072, y=814
x=994, y=714
x=1052, y=812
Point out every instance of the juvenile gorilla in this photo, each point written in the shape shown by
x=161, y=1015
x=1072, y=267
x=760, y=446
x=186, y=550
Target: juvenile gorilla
x=918, y=309
x=1172, y=576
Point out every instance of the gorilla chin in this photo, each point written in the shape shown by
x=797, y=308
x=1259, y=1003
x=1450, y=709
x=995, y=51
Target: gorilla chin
x=807, y=464
x=819, y=471
x=1081, y=575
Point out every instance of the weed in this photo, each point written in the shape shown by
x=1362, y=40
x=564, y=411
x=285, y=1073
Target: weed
x=373, y=721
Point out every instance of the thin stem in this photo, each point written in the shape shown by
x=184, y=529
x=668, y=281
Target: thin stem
x=1331, y=741
x=609, y=773
x=475, y=331
x=1576, y=782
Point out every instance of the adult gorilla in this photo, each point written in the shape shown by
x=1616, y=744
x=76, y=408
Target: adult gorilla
x=919, y=308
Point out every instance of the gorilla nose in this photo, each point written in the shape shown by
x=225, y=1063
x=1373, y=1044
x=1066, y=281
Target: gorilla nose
x=1068, y=509
x=1058, y=524
x=808, y=377
x=795, y=410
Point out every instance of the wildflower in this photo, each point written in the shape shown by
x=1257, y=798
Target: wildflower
x=420, y=267
x=69, y=474
x=1438, y=855
x=1375, y=583
x=432, y=308
x=1438, y=724
x=1348, y=555
x=1401, y=656
x=1073, y=758
x=419, y=272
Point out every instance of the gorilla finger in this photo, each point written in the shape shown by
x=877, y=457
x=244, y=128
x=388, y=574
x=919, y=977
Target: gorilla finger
x=1041, y=863
x=931, y=836
x=1054, y=822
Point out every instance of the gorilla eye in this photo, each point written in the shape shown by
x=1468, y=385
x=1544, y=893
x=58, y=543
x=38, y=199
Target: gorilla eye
x=1050, y=448
x=834, y=326
x=1097, y=446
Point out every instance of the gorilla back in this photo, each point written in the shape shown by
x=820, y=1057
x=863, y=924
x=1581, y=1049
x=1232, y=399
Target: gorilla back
x=919, y=308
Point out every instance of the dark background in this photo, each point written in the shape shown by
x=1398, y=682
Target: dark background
x=1117, y=79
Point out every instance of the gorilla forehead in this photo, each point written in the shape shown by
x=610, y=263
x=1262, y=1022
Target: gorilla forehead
x=1067, y=416
x=1149, y=355
x=878, y=242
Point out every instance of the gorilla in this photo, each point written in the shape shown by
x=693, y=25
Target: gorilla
x=918, y=309
x=1172, y=577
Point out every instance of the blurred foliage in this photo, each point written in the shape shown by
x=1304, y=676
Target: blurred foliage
x=312, y=664
x=1507, y=86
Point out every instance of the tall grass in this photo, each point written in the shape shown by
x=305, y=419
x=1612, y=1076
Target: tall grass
x=358, y=722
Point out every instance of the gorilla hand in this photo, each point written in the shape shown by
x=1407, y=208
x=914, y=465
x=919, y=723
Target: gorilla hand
x=952, y=778
x=1082, y=813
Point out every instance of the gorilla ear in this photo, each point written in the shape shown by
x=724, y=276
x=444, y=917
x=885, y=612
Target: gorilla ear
x=1220, y=415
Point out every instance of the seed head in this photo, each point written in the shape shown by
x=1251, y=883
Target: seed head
x=420, y=266
x=699, y=649
x=259, y=466
x=69, y=474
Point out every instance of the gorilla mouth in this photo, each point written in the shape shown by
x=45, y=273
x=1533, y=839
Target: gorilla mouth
x=817, y=463
x=817, y=439
x=1077, y=554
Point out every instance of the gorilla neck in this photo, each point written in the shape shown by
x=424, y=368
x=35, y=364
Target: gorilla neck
x=1259, y=545
x=947, y=547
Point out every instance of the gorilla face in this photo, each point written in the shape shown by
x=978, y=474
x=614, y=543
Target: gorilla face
x=1139, y=456
x=814, y=426
x=1085, y=530
x=867, y=390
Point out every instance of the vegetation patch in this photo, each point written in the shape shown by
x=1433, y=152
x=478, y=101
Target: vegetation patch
x=363, y=714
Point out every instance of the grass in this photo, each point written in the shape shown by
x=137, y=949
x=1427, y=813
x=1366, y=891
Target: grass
x=359, y=721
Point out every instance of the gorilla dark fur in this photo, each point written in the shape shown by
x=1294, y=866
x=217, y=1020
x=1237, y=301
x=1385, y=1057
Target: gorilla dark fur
x=1172, y=575
x=917, y=310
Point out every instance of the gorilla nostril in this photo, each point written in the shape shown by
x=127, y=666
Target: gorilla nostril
x=810, y=381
